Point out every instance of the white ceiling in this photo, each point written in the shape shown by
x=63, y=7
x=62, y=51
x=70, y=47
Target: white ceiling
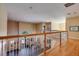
x=40, y=12
x=72, y=10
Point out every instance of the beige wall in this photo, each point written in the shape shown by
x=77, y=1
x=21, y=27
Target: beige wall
x=39, y=27
x=12, y=27
x=24, y=26
x=31, y=27
x=57, y=26
x=19, y=27
x=3, y=20
x=62, y=26
x=73, y=21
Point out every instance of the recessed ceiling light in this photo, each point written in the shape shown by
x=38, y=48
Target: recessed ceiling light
x=75, y=13
x=68, y=13
x=30, y=8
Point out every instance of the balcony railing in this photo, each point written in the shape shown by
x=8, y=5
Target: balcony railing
x=31, y=44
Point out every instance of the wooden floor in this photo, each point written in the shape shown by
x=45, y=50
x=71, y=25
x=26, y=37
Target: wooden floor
x=70, y=48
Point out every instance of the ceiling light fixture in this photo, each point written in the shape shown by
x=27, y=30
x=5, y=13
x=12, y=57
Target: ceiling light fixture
x=68, y=13
x=75, y=13
x=30, y=8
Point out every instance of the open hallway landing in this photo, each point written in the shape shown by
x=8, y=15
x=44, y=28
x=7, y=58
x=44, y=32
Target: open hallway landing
x=70, y=48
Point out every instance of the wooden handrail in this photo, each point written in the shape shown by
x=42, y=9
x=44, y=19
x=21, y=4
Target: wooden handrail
x=27, y=35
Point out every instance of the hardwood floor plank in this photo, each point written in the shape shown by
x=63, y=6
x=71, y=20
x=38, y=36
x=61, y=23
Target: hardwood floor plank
x=70, y=48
